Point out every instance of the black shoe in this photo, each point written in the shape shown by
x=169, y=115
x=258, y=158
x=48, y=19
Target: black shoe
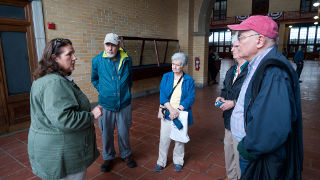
x=131, y=163
x=106, y=166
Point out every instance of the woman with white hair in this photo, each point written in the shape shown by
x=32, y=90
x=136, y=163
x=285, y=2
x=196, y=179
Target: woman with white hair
x=176, y=94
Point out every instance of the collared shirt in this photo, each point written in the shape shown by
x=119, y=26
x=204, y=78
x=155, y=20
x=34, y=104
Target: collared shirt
x=236, y=72
x=69, y=78
x=237, y=117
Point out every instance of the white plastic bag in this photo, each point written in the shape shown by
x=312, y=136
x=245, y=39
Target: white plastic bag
x=182, y=134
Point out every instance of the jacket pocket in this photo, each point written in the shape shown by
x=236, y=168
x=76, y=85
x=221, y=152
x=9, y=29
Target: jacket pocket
x=47, y=156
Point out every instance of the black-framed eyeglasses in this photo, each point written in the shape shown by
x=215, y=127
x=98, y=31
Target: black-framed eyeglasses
x=243, y=37
x=55, y=42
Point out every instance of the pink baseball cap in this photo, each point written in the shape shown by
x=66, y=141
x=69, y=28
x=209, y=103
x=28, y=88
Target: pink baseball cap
x=263, y=25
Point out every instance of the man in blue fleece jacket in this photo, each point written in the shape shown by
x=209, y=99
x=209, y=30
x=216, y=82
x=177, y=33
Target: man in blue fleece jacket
x=112, y=77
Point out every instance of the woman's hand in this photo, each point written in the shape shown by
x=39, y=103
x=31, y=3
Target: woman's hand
x=174, y=113
x=181, y=108
x=227, y=104
x=97, y=112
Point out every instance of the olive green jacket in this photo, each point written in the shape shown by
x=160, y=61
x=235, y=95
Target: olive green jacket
x=62, y=137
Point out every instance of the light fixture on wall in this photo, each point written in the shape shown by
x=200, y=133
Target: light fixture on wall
x=316, y=4
x=290, y=26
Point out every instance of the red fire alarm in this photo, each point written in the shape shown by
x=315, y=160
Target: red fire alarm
x=51, y=25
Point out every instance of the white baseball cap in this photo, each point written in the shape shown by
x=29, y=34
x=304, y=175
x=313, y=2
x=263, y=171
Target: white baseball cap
x=112, y=38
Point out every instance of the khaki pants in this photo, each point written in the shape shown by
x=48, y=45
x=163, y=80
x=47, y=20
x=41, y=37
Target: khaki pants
x=231, y=156
x=178, y=151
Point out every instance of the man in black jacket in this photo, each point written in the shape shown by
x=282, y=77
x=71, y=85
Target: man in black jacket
x=229, y=95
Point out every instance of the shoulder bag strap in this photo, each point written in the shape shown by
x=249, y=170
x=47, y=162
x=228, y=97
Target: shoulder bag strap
x=176, y=86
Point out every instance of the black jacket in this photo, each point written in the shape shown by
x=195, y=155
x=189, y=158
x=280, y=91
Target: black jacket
x=231, y=91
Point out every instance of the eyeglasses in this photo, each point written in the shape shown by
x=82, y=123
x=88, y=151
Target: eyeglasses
x=243, y=37
x=175, y=64
x=55, y=44
x=56, y=41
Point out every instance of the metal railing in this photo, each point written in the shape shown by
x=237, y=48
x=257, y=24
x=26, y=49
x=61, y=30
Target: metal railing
x=287, y=16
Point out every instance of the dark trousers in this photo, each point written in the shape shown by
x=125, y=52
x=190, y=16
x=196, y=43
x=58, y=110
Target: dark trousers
x=213, y=71
x=299, y=68
x=107, y=123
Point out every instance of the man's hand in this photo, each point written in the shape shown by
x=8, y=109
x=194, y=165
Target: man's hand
x=227, y=104
x=220, y=99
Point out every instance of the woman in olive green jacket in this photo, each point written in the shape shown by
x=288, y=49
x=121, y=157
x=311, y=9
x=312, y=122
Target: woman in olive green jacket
x=61, y=142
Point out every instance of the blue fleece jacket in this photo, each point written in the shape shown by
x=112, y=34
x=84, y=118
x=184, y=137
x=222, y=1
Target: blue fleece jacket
x=112, y=83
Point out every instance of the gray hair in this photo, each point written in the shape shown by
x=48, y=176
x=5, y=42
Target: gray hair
x=274, y=41
x=234, y=37
x=180, y=56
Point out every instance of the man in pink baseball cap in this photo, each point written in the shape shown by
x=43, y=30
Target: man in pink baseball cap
x=266, y=120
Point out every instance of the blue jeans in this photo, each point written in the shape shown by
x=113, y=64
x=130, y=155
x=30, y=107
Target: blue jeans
x=243, y=164
x=107, y=123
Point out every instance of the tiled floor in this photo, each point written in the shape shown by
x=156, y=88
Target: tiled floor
x=204, y=157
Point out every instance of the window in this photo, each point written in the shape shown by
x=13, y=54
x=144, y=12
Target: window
x=303, y=35
x=318, y=36
x=215, y=38
x=221, y=40
x=220, y=9
x=311, y=34
x=294, y=35
x=307, y=5
x=227, y=40
x=12, y=11
x=306, y=36
x=310, y=48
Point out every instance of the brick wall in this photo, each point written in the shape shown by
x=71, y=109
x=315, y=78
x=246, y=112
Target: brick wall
x=234, y=8
x=85, y=23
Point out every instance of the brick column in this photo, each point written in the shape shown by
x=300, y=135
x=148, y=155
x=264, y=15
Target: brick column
x=200, y=49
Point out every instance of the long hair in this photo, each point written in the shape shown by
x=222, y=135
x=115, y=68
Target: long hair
x=47, y=63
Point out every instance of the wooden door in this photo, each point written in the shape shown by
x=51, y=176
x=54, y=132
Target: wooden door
x=17, y=62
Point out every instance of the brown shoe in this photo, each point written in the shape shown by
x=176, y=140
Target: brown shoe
x=106, y=166
x=131, y=163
